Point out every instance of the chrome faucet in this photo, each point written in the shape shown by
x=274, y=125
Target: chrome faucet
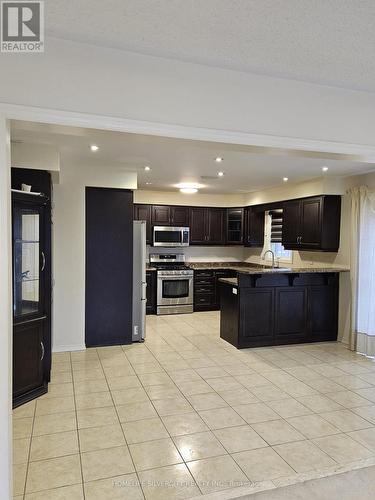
x=273, y=256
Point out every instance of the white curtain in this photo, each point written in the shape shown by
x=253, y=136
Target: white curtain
x=363, y=270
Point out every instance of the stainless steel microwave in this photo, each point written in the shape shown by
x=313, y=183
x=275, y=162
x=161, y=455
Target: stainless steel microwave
x=166, y=236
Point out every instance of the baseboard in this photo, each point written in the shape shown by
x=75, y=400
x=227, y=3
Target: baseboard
x=71, y=347
x=366, y=344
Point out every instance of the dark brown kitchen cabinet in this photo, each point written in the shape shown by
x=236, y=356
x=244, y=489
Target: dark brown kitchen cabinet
x=179, y=216
x=151, y=292
x=207, y=288
x=161, y=215
x=312, y=223
x=166, y=215
x=276, y=309
x=198, y=232
x=253, y=227
x=31, y=235
x=290, y=312
x=207, y=226
x=234, y=226
x=204, y=290
x=143, y=212
x=216, y=218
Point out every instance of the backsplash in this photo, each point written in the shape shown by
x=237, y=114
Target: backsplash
x=204, y=253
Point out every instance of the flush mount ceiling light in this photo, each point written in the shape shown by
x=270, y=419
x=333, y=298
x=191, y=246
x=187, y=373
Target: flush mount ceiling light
x=219, y=159
x=285, y=179
x=220, y=174
x=188, y=187
x=147, y=168
x=94, y=148
x=325, y=169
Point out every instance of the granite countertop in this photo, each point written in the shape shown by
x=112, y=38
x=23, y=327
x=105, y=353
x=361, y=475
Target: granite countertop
x=249, y=268
x=229, y=281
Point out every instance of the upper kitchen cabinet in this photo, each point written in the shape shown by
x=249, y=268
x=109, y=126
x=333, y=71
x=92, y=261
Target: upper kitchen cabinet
x=180, y=216
x=165, y=215
x=312, y=223
x=253, y=235
x=216, y=219
x=207, y=226
x=198, y=233
x=234, y=226
x=143, y=212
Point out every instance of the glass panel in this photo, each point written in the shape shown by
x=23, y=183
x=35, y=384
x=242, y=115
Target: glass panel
x=175, y=289
x=26, y=263
x=168, y=236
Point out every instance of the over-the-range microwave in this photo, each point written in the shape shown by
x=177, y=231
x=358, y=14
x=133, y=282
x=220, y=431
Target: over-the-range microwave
x=166, y=236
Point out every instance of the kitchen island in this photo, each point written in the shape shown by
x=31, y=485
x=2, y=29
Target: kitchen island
x=279, y=306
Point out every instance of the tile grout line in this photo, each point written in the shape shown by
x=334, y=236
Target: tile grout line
x=78, y=437
x=122, y=430
x=160, y=417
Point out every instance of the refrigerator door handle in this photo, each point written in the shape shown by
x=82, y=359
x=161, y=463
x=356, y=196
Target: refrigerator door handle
x=144, y=288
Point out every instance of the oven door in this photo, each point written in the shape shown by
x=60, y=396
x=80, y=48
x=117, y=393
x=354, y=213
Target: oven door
x=174, y=290
x=165, y=236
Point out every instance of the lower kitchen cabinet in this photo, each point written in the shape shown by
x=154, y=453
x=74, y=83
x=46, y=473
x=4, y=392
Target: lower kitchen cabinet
x=151, y=292
x=207, y=288
x=279, y=309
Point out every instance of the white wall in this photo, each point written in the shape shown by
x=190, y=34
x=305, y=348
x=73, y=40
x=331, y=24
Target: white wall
x=89, y=79
x=69, y=247
x=38, y=156
x=5, y=313
x=200, y=199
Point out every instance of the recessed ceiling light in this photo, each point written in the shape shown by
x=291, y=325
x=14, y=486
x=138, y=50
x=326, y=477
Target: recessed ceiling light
x=148, y=183
x=188, y=190
x=220, y=174
x=94, y=147
x=285, y=179
x=147, y=168
x=325, y=169
x=219, y=159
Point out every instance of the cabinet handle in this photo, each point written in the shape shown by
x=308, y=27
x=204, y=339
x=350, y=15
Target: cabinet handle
x=43, y=262
x=42, y=347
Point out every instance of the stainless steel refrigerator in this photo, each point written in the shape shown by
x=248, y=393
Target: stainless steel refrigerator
x=139, y=281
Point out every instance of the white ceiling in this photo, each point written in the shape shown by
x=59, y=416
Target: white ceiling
x=176, y=160
x=324, y=41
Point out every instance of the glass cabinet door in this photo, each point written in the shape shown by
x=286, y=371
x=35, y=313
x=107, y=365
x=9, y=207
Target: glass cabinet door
x=28, y=261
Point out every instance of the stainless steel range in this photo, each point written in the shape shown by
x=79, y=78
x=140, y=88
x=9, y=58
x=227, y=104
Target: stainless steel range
x=174, y=284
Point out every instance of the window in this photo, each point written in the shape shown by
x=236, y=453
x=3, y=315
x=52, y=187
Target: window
x=273, y=236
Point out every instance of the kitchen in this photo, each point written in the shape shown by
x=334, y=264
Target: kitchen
x=207, y=329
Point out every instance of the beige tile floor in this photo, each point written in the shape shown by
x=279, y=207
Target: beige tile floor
x=186, y=414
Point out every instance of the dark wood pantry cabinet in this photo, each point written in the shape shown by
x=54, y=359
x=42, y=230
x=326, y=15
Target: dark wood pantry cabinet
x=31, y=228
x=312, y=223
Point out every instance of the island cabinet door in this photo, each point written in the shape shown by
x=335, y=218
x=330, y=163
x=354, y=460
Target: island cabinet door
x=323, y=312
x=256, y=317
x=290, y=314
